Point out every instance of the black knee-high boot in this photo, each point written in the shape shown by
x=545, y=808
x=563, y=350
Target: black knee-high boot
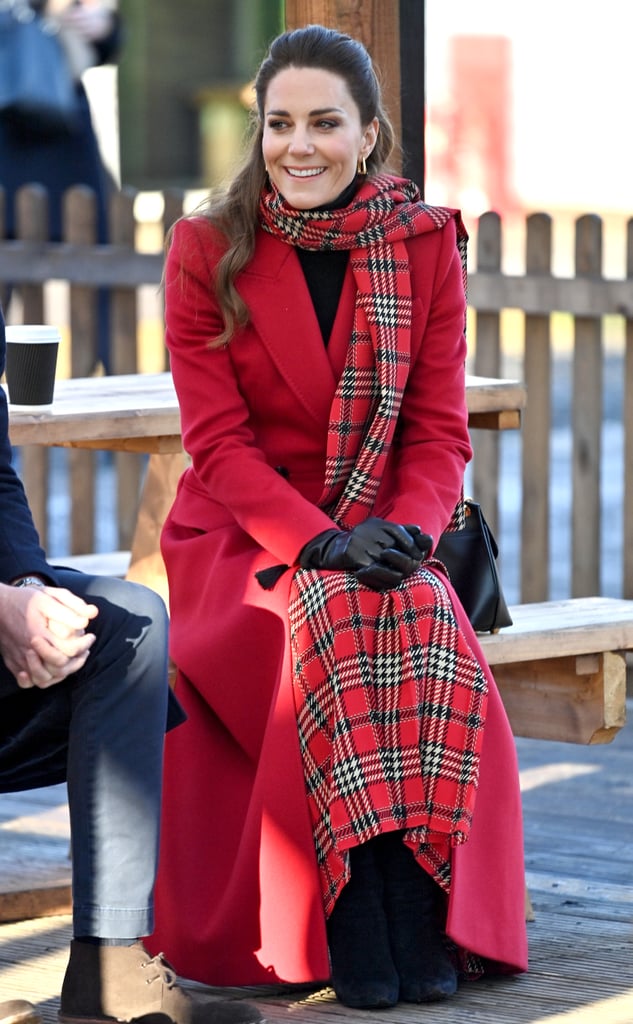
x=412, y=904
x=363, y=973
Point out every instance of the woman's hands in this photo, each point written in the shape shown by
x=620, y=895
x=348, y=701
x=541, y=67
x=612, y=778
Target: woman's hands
x=380, y=554
x=42, y=633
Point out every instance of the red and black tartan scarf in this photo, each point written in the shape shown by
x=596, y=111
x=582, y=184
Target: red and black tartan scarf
x=390, y=700
x=383, y=213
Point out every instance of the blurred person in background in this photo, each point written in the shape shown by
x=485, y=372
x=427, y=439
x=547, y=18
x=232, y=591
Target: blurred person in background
x=90, y=32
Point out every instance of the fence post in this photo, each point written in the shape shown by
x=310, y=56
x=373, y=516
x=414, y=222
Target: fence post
x=627, y=539
x=124, y=305
x=587, y=420
x=31, y=204
x=173, y=200
x=536, y=424
x=488, y=364
x=124, y=354
x=80, y=227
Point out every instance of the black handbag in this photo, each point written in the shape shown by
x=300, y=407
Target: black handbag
x=38, y=97
x=470, y=555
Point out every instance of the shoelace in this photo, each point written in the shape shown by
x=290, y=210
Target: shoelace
x=163, y=970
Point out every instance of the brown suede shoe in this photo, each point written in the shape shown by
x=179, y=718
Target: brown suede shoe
x=18, y=1011
x=124, y=983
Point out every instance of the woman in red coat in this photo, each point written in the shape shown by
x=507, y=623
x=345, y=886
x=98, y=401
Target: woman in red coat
x=343, y=802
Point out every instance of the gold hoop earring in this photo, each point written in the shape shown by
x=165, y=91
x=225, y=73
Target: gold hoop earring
x=361, y=166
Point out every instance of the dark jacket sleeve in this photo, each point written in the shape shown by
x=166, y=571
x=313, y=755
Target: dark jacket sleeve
x=108, y=49
x=20, y=551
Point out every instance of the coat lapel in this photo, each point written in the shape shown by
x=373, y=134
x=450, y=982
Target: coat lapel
x=282, y=314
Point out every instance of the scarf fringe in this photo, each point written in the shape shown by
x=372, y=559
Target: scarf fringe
x=268, y=578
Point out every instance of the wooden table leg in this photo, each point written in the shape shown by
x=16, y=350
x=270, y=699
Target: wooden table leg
x=159, y=489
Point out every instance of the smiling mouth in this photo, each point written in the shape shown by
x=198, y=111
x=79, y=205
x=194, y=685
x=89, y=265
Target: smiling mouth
x=308, y=172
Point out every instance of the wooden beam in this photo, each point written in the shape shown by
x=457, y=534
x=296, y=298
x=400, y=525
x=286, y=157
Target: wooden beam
x=561, y=668
x=507, y=419
x=412, y=89
x=41, y=901
x=573, y=700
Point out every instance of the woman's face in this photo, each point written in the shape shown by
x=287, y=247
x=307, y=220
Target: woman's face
x=313, y=136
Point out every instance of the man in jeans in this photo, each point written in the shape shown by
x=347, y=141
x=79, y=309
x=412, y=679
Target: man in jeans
x=84, y=699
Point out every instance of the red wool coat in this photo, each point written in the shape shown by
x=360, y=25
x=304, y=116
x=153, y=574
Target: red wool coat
x=237, y=896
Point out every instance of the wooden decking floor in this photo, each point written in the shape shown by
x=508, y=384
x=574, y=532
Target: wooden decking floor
x=578, y=805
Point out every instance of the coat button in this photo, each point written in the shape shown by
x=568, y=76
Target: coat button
x=283, y=471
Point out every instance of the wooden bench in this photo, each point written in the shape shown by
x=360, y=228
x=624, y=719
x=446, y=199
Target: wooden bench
x=561, y=668
x=108, y=563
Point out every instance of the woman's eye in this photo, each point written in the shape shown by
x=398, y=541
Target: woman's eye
x=326, y=123
x=276, y=126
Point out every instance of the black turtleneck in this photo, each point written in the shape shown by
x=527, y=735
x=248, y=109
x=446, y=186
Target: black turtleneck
x=324, y=271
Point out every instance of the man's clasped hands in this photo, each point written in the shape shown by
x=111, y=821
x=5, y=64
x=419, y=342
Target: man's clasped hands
x=43, y=636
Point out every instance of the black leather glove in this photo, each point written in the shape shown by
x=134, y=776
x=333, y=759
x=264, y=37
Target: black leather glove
x=394, y=566
x=423, y=541
x=379, y=552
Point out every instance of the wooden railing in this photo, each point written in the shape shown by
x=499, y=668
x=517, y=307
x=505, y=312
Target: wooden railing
x=588, y=297
x=28, y=264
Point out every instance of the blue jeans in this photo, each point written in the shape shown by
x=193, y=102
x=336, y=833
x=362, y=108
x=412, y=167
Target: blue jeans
x=101, y=730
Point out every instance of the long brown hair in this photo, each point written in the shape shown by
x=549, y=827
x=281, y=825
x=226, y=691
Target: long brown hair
x=235, y=211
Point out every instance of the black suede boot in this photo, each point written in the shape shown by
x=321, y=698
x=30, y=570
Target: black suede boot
x=412, y=905
x=363, y=973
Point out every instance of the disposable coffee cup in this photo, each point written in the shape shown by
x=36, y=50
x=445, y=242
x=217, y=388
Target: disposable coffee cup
x=31, y=364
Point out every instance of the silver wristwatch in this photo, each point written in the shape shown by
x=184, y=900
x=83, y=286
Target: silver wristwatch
x=29, y=581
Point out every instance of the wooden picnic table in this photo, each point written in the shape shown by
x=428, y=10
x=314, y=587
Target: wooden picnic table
x=139, y=413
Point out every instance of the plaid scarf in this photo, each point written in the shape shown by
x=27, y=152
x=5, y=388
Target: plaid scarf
x=390, y=700
x=384, y=212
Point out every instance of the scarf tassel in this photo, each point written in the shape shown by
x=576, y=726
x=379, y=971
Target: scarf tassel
x=268, y=578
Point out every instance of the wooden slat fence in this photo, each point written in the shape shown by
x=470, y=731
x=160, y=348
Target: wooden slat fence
x=588, y=296
x=28, y=263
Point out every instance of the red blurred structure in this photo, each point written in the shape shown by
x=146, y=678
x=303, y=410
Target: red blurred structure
x=469, y=140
